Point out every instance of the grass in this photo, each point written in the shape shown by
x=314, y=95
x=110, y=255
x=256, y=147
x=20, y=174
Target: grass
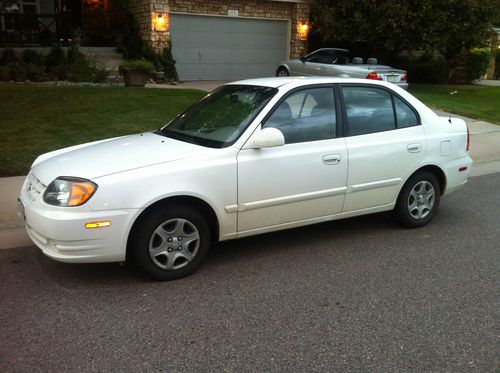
x=477, y=102
x=35, y=119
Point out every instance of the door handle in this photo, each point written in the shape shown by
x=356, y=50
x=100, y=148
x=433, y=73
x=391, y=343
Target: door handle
x=331, y=159
x=413, y=148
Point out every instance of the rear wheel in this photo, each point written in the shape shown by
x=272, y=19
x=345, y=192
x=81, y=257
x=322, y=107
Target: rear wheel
x=170, y=242
x=282, y=71
x=419, y=199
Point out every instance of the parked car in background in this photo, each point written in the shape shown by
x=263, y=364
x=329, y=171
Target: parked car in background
x=251, y=157
x=337, y=62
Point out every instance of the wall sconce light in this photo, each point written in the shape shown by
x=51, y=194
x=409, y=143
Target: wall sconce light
x=160, y=22
x=303, y=30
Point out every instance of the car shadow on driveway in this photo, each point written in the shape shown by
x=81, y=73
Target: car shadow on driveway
x=304, y=247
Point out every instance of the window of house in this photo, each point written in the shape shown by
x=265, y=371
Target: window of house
x=305, y=115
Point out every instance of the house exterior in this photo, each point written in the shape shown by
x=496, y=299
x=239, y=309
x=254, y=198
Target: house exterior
x=210, y=39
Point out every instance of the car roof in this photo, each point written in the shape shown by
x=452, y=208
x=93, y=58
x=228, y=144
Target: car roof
x=331, y=49
x=276, y=82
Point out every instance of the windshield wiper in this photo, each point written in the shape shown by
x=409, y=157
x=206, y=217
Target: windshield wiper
x=179, y=136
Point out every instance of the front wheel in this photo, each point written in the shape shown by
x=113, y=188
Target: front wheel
x=170, y=242
x=282, y=71
x=419, y=199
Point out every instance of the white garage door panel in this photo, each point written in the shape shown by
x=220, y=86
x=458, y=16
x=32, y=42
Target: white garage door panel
x=224, y=48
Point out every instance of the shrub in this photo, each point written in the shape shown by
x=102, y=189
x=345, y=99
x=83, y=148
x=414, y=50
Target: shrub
x=32, y=57
x=17, y=71
x=476, y=63
x=137, y=65
x=497, y=65
x=56, y=64
x=74, y=55
x=167, y=64
x=8, y=56
x=4, y=74
x=426, y=69
x=35, y=73
x=134, y=48
x=56, y=57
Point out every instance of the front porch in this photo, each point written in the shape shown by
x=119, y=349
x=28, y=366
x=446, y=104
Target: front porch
x=25, y=23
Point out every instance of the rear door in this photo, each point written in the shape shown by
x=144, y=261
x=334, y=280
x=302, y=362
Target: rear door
x=385, y=142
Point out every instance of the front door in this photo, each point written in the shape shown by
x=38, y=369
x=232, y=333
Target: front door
x=302, y=181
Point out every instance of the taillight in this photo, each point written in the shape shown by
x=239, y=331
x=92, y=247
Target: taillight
x=404, y=78
x=373, y=76
x=468, y=138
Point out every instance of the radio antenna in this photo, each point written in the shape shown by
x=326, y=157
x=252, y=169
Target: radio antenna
x=451, y=93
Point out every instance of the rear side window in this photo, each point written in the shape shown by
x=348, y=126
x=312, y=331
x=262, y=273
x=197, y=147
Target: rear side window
x=372, y=109
x=305, y=115
x=405, y=116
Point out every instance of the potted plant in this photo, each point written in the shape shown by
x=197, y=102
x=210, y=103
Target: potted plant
x=136, y=72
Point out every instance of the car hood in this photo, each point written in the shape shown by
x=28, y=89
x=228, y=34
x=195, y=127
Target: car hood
x=107, y=157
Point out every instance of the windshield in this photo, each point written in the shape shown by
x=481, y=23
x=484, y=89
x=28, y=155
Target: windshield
x=218, y=119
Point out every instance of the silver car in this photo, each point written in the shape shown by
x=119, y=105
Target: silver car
x=336, y=62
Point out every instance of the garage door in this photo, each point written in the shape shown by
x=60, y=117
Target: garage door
x=224, y=48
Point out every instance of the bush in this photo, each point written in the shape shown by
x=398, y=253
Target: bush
x=134, y=48
x=32, y=57
x=8, y=56
x=426, y=69
x=56, y=57
x=82, y=69
x=56, y=64
x=476, y=64
x=17, y=71
x=167, y=64
x=35, y=73
x=4, y=74
x=497, y=65
x=137, y=65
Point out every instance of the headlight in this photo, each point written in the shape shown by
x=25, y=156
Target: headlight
x=69, y=191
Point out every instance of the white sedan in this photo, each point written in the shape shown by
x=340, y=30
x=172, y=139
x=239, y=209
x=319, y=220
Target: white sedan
x=252, y=156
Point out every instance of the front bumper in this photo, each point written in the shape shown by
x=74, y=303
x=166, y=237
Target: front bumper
x=61, y=234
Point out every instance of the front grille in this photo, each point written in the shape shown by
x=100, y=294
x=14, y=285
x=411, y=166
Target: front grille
x=34, y=187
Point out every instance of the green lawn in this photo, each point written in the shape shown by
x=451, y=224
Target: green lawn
x=35, y=119
x=477, y=102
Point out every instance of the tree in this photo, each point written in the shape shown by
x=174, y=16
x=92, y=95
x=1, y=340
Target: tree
x=389, y=26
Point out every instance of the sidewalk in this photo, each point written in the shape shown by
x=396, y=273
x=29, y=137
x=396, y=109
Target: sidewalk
x=484, y=150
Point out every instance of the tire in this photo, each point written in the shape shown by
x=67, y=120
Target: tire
x=282, y=71
x=170, y=242
x=418, y=201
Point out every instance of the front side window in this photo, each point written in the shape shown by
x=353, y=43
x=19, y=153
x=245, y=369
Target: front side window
x=320, y=57
x=218, y=119
x=305, y=115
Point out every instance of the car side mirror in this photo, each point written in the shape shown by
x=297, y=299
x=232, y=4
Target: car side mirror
x=303, y=59
x=267, y=138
